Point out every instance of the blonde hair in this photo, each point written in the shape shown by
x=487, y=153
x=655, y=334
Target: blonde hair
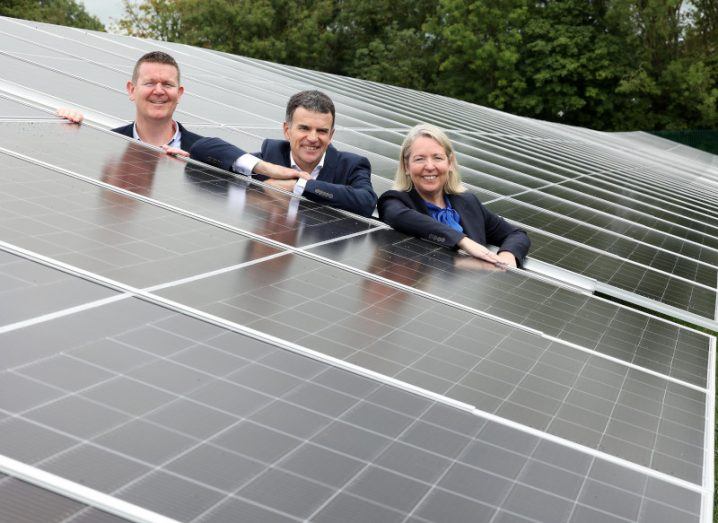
x=402, y=180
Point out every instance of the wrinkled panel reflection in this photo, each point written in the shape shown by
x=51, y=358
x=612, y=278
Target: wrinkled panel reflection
x=125, y=164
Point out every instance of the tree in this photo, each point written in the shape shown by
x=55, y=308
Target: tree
x=158, y=19
x=478, y=48
x=603, y=64
x=61, y=12
x=673, y=82
x=282, y=31
x=386, y=41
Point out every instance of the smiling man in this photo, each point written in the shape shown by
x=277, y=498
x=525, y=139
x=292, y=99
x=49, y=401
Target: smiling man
x=155, y=90
x=305, y=163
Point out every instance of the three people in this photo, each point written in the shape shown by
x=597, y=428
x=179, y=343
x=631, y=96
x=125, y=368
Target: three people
x=429, y=201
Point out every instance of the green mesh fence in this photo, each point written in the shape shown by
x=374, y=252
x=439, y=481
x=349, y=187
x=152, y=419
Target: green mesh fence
x=703, y=140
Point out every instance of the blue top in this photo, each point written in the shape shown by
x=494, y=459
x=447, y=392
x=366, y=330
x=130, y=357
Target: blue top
x=447, y=215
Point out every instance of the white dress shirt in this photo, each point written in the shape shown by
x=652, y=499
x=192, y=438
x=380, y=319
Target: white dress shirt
x=176, y=140
x=245, y=165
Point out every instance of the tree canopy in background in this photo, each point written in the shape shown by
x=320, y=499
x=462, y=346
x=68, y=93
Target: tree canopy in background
x=61, y=12
x=603, y=64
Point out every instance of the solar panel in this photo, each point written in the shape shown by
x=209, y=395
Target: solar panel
x=181, y=344
x=193, y=421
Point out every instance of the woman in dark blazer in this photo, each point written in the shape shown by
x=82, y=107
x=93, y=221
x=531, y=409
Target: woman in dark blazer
x=429, y=201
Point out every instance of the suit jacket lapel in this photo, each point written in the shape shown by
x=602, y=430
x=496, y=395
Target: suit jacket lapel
x=418, y=202
x=328, y=172
x=471, y=221
x=284, y=150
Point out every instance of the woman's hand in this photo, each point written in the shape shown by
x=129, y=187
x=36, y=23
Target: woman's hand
x=504, y=259
x=507, y=259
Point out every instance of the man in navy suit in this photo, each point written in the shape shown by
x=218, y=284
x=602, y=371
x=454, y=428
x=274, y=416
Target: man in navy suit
x=305, y=163
x=156, y=90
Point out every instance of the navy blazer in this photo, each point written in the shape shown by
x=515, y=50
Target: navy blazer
x=187, y=138
x=406, y=212
x=343, y=182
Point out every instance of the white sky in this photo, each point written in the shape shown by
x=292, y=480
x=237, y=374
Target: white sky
x=104, y=9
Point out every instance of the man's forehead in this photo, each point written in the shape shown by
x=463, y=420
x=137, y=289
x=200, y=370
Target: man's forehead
x=308, y=117
x=157, y=69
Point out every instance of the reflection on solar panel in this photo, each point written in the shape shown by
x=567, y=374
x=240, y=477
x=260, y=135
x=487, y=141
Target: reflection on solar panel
x=179, y=344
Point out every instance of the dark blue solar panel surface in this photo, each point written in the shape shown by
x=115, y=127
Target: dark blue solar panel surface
x=210, y=349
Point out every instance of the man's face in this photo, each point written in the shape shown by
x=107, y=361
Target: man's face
x=156, y=91
x=309, y=134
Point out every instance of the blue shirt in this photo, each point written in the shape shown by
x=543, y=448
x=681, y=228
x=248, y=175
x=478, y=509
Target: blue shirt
x=446, y=215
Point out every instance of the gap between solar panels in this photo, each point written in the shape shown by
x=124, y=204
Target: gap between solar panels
x=319, y=356
x=78, y=492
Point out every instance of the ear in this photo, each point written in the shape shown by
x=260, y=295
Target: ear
x=131, y=90
x=331, y=135
x=180, y=92
x=285, y=127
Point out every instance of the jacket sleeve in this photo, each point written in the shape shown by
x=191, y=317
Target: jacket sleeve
x=394, y=211
x=215, y=152
x=507, y=237
x=356, y=195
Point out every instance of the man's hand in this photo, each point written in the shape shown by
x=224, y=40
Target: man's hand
x=279, y=172
x=287, y=185
x=70, y=114
x=175, y=151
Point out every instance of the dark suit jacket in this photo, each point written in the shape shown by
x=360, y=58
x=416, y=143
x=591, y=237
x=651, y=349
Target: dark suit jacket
x=188, y=138
x=406, y=212
x=343, y=182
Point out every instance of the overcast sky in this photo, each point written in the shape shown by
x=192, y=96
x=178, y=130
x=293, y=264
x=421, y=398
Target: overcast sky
x=104, y=9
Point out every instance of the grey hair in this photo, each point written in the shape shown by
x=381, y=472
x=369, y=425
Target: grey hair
x=315, y=101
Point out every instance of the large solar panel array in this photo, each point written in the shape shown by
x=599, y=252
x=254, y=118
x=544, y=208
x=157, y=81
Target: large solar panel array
x=180, y=344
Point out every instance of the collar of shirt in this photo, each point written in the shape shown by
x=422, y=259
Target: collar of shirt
x=315, y=172
x=176, y=140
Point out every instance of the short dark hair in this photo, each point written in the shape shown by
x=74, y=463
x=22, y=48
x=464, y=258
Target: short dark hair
x=315, y=101
x=154, y=57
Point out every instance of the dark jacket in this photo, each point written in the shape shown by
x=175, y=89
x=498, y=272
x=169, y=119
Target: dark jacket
x=343, y=182
x=188, y=138
x=406, y=212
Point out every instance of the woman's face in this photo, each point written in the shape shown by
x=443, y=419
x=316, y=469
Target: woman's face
x=428, y=167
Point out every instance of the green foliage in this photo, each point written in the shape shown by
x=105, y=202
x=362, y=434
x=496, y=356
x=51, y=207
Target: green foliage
x=604, y=64
x=156, y=19
x=61, y=12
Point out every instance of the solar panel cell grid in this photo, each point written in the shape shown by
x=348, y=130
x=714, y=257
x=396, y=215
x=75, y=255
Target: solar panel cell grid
x=558, y=312
x=437, y=390
x=29, y=289
x=10, y=109
x=679, y=216
x=22, y=502
x=335, y=443
x=605, y=239
x=658, y=284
